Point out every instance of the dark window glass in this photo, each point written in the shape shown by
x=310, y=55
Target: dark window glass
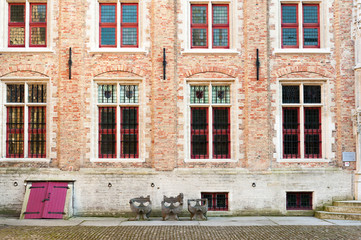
x=15, y=93
x=312, y=94
x=289, y=14
x=199, y=118
x=289, y=36
x=107, y=13
x=199, y=37
x=15, y=132
x=216, y=201
x=107, y=36
x=310, y=14
x=299, y=200
x=310, y=36
x=17, y=13
x=290, y=94
x=37, y=132
x=129, y=13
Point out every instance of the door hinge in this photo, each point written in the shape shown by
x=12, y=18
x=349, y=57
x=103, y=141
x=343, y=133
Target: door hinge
x=36, y=187
x=31, y=212
x=61, y=187
x=56, y=212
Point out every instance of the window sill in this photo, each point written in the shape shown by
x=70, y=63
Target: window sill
x=26, y=50
x=129, y=160
x=210, y=160
x=119, y=50
x=211, y=51
x=303, y=160
x=302, y=51
x=24, y=160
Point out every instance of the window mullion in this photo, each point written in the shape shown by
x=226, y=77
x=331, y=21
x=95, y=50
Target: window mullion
x=302, y=125
x=27, y=24
x=210, y=132
x=118, y=118
x=210, y=25
x=26, y=122
x=119, y=30
x=300, y=25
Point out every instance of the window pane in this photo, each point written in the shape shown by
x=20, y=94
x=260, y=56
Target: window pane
x=199, y=37
x=312, y=94
x=107, y=13
x=221, y=118
x=129, y=36
x=107, y=93
x=220, y=94
x=108, y=36
x=37, y=93
x=17, y=13
x=107, y=118
x=290, y=94
x=305, y=200
x=15, y=132
x=290, y=118
x=221, y=146
x=220, y=37
x=129, y=13
x=199, y=146
x=312, y=145
x=38, y=13
x=17, y=36
x=290, y=133
x=129, y=145
x=289, y=36
x=129, y=118
x=107, y=146
x=291, y=200
x=129, y=94
x=107, y=132
x=199, y=118
x=289, y=14
x=220, y=14
x=210, y=198
x=312, y=118
x=310, y=36
x=199, y=15
x=310, y=14
x=38, y=36
x=199, y=94
x=15, y=93
x=37, y=132
x=221, y=201
x=199, y=131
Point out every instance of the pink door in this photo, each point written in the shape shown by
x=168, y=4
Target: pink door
x=46, y=200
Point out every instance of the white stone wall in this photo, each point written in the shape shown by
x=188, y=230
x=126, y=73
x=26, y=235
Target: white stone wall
x=92, y=196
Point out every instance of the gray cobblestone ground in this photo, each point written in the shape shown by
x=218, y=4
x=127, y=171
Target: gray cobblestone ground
x=182, y=232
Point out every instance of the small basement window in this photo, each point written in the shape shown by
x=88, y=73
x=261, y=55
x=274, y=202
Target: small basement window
x=216, y=201
x=299, y=200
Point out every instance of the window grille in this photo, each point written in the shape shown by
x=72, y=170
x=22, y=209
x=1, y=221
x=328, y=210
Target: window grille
x=221, y=94
x=199, y=132
x=107, y=132
x=199, y=94
x=291, y=133
x=129, y=94
x=313, y=133
x=15, y=132
x=299, y=200
x=37, y=93
x=129, y=132
x=216, y=201
x=107, y=93
x=221, y=133
x=37, y=132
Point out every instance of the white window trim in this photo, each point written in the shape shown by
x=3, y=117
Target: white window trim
x=3, y=112
x=324, y=28
x=95, y=119
x=326, y=125
x=4, y=13
x=232, y=28
x=93, y=25
x=233, y=118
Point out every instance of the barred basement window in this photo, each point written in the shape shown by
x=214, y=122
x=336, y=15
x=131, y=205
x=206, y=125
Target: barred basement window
x=25, y=120
x=302, y=136
x=217, y=201
x=210, y=121
x=118, y=123
x=299, y=200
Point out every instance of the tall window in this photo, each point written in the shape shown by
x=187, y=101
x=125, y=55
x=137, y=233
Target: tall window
x=300, y=25
x=118, y=116
x=17, y=25
x=25, y=120
x=301, y=116
x=210, y=121
x=128, y=24
x=210, y=19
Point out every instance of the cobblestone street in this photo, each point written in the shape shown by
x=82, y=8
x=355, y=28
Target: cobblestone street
x=182, y=232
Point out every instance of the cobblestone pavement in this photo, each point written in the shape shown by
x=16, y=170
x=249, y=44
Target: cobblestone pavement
x=182, y=232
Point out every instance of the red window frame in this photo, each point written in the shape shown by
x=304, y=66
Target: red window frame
x=195, y=132
x=107, y=131
x=199, y=25
x=107, y=25
x=312, y=25
x=13, y=131
x=129, y=25
x=38, y=24
x=220, y=26
x=133, y=131
x=36, y=131
x=289, y=25
x=287, y=131
x=222, y=132
x=313, y=132
x=11, y=24
x=214, y=200
x=299, y=195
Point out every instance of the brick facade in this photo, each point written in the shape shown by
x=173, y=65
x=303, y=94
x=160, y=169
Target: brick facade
x=164, y=115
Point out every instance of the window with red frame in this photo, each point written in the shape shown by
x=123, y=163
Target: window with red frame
x=113, y=114
x=299, y=200
x=33, y=127
x=217, y=201
x=310, y=24
x=108, y=25
x=296, y=130
x=17, y=25
x=129, y=25
x=210, y=118
x=219, y=26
